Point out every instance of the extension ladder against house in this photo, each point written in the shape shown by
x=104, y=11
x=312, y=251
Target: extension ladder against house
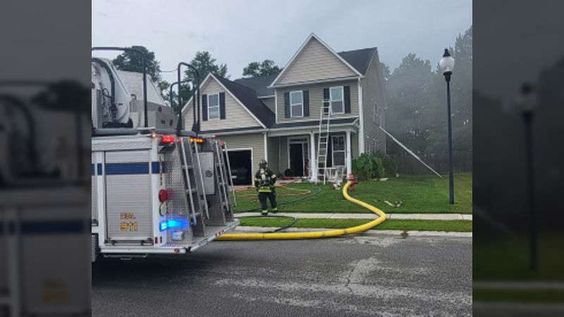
x=323, y=141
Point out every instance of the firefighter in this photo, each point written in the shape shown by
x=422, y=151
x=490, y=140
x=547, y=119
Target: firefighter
x=264, y=183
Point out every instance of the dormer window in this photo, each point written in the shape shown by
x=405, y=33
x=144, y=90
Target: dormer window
x=213, y=106
x=296, y=104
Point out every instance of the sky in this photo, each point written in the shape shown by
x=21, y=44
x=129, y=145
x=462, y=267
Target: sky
x=237, y=32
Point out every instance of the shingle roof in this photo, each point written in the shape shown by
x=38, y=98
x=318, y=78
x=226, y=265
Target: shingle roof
x=249, y=98
x=359, y=59
x=259, y=84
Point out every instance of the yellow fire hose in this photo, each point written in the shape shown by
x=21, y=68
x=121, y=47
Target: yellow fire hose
x=314, y=234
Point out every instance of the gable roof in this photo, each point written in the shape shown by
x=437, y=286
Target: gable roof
x=245, y=96
x=249, y=99
x=359, y=59
x=259, y=84
x=309, y=38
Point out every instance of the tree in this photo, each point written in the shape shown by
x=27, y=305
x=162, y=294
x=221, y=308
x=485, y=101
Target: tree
x=205, y=64
x=416, y=111
x=257, y=69
x=386, y=74
x=132, y=61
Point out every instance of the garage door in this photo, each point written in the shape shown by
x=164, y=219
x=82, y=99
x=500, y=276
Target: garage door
x=241, y=166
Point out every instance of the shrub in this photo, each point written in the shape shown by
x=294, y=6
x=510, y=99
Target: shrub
x=374, y=165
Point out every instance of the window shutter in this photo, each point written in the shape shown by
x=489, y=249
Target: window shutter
x=347, y=92
x=287, y=104
x=326, y=99
x=305, y=94
x=205, y=107
x=221, y=105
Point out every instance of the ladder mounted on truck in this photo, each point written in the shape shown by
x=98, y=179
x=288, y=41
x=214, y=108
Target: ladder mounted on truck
x=193, y=185
x=323, y=141
x=223, y=179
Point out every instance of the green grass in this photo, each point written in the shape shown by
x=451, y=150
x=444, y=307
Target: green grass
x=527, y=296
x=391, y=224
x=419, y=194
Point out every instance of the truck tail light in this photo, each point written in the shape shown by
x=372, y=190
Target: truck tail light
x=163, y=195
x=168, y=139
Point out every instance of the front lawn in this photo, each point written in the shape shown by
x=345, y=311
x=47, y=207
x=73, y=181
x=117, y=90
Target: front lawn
x=390, y=224
x=415, y=194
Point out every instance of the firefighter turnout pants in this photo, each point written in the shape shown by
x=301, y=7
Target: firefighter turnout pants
x=263, y=196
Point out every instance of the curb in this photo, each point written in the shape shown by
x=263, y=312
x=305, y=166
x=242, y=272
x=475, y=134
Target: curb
x=372, y=233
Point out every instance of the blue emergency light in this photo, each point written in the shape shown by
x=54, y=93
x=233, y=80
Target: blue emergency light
x=178, y=223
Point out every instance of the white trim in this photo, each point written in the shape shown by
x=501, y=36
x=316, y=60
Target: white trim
x=309, y=38
x=275, y=106
x=342, y=100
x=361, y=118
x=295, y=104
x=348, y=153
x=344, y=151
x=266, y=97
x=230, y=93
x=265, y=147
x=252, y=160
x=318, y=81
x=310, y=120
x=218, y=107
x=312, y=159
x=229, y=133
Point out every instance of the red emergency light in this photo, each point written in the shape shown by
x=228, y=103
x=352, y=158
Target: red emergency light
x=163, y=195
x=168, y=139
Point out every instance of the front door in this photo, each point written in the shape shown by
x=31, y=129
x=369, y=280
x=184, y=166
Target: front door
x=297, y=159
x=298, y=151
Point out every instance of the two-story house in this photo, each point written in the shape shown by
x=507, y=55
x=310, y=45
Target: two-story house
x=277, y=117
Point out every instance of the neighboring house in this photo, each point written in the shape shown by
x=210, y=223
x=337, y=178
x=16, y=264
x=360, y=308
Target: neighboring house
x=277, y=117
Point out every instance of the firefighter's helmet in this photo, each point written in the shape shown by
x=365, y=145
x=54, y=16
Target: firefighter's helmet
x=263, y=163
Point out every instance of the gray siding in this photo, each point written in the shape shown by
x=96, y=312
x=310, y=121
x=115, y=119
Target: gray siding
x=269, y=102
x=283, y=154
x=354, y=146
x=373, y=105
x=273, y=157
x=235, y=115
x=316, y=99
x=314, y=62
x=245, y=141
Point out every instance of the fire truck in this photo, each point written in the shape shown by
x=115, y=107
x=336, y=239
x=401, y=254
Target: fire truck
x=157, y=188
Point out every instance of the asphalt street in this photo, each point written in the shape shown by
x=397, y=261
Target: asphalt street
x=354, y=276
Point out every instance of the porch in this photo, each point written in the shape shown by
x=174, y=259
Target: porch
x=293, y=153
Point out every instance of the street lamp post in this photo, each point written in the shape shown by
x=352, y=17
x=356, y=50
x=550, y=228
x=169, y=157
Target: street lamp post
x=526, y=104
x=447, y=64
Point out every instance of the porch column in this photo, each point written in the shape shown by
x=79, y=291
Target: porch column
x=348, y=153
x=312, y=161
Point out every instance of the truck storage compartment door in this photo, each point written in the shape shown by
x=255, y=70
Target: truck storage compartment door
x=129, y=195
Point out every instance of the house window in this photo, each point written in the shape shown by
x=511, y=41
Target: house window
x=296, y=104
x=338, y=144
x=336, y=100
x=213, y=106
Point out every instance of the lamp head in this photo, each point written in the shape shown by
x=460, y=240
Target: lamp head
x=446, y=63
